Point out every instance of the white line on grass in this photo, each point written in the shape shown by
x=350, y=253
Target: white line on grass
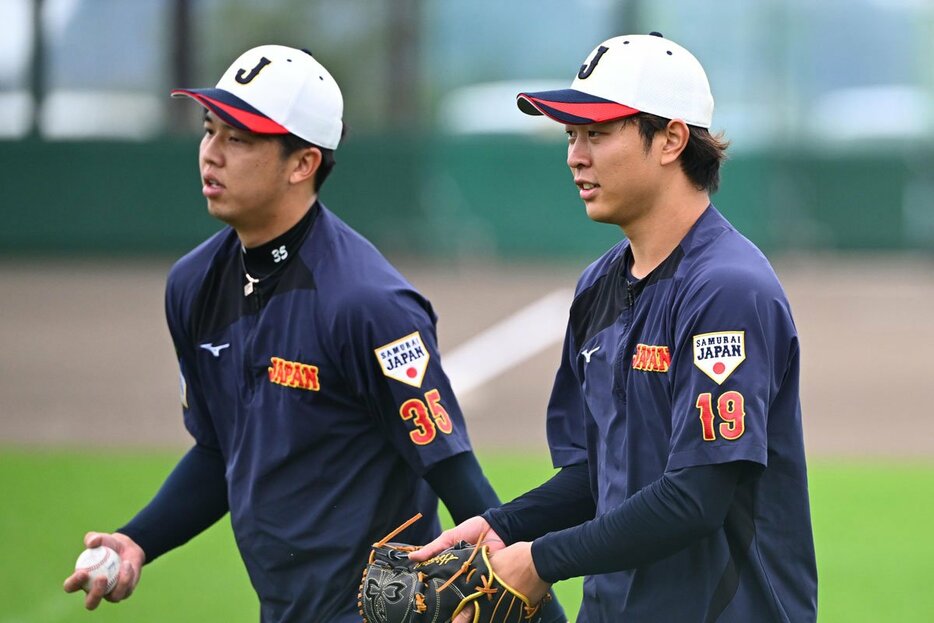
x=509, y=342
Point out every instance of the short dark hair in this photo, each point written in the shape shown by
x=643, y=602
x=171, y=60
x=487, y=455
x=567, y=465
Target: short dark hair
x=290, y=143
x=701, y=158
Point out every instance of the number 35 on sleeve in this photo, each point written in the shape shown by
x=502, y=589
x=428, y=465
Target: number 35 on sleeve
x=428, y=418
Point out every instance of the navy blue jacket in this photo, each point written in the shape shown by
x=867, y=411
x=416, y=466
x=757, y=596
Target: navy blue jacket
x=696, y=364
x=327, y=403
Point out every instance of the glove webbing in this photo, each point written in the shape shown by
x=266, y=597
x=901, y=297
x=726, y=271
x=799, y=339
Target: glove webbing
x=486, y=587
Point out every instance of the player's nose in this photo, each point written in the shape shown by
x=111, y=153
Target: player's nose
x=578, y=154
x=210, y=152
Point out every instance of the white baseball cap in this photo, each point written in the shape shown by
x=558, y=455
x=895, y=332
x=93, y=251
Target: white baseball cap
x=628, y=75
x=274, y=89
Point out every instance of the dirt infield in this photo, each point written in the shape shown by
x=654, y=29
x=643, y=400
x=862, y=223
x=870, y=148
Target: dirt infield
x=86, y=358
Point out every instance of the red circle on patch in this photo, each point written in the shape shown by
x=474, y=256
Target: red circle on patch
x=411, y=373
x=718, y=367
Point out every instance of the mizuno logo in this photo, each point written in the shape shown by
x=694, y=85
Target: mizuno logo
x=215, y=350
x=588, y=353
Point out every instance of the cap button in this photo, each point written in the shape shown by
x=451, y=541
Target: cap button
x=655, y=33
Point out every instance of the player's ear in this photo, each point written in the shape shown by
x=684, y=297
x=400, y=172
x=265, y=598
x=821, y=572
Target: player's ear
x=305, y=163
x=676, y=135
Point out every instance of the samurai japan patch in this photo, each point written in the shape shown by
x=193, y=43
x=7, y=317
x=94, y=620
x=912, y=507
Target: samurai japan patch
x=404, y=360
x=719, y=354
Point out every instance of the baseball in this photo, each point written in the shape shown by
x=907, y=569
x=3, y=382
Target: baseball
x=99, y=562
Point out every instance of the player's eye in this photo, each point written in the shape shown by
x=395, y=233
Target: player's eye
x=593, y=133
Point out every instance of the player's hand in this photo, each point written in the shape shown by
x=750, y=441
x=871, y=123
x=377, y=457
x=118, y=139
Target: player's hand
x=515, y=567
x=469, y=530
x=133, y=558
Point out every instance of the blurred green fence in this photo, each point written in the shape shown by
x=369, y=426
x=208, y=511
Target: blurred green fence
x=506, y=196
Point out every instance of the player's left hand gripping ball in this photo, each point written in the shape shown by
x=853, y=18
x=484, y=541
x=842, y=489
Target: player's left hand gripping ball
x=395, y=589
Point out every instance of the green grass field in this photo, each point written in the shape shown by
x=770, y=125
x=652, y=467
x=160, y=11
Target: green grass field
x=872, y=524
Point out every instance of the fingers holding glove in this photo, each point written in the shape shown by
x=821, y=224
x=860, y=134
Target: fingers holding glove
x=468, y=531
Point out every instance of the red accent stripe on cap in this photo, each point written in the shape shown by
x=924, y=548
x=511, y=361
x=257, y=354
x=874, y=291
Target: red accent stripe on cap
x=253, y=122
x=596, y=112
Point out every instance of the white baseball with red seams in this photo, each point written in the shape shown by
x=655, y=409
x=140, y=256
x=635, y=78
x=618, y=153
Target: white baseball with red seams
x=99, y=562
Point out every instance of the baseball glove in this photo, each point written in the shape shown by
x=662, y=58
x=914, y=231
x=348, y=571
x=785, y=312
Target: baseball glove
x=397, y=590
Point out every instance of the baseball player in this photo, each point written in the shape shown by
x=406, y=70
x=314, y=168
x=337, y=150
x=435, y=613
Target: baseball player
x=310, y=375
x=675, y=415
